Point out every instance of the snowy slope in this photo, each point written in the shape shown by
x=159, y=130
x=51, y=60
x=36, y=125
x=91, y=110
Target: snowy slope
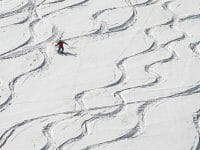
x=134, y=83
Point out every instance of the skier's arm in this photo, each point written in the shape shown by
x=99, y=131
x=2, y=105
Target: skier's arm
x=66, y=43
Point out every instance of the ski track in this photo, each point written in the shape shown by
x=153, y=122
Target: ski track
x=137, y=130
x=67, y=7
x=29, y=46
x=121, y=79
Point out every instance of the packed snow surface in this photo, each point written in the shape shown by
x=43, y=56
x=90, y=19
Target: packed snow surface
x=129, y=79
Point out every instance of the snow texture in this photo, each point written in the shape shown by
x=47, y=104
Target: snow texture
x=129, y=78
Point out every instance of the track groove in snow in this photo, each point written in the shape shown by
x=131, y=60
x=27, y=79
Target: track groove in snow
x=151, y=42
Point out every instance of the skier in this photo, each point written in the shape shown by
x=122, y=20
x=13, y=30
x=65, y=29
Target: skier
x=60, y=45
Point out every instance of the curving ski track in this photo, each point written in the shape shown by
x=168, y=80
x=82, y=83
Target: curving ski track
x=115, y=88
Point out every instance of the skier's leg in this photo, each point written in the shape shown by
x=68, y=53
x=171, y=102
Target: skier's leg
x=62, y=49
x=59, y=48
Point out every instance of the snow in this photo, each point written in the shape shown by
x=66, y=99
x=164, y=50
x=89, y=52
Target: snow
x=132, y=81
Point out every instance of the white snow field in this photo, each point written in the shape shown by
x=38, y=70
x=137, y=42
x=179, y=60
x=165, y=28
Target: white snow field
x=129, y=79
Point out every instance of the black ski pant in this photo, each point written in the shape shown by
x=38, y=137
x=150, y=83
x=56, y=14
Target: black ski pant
x=60, y=49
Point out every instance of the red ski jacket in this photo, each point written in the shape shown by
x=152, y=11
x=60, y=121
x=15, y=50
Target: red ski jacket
x=60, y=43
